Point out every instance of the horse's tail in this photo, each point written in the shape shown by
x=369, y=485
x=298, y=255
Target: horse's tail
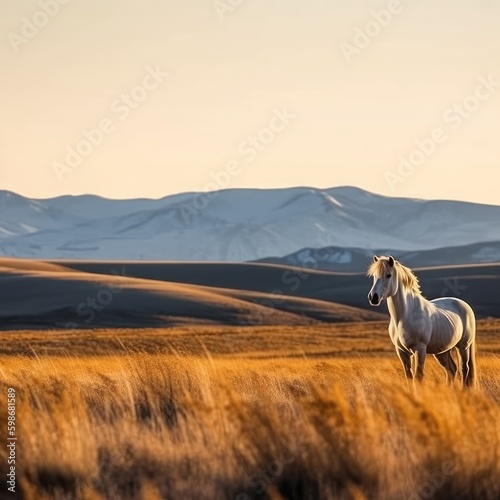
x=471, y=378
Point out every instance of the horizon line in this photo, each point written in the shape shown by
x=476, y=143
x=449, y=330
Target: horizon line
x=225, y=189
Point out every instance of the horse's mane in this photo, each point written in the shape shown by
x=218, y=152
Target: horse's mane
x=405, y=274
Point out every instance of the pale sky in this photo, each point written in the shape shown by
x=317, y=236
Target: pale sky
x=349, y=121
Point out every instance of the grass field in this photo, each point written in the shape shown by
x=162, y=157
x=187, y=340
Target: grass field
x=265, y=412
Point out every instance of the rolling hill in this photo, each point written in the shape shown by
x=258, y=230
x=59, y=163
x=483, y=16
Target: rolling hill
x=35, y=294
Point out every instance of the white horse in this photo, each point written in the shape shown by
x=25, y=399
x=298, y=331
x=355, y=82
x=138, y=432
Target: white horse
x=419, y=327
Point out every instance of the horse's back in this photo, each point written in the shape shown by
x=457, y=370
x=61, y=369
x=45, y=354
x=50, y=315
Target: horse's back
x=463, y=310
x=455, y=305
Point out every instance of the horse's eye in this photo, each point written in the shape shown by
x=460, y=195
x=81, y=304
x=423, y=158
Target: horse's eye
x=389, y=275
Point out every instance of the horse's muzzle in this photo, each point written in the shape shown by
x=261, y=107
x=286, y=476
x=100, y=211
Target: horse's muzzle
x=374, y=299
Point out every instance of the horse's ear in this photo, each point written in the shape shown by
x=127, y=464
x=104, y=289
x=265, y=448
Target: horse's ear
x=391, y=261
x=375, y=258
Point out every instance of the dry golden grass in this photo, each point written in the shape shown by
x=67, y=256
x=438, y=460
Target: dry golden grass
x=314, y=422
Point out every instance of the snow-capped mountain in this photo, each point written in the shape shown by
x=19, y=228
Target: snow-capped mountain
x=237, y=224
x=354, y=260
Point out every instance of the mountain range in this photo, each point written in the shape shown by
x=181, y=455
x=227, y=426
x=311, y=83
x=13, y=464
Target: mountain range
x=278, y=225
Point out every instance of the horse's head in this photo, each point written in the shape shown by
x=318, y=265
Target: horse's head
x=385, y=283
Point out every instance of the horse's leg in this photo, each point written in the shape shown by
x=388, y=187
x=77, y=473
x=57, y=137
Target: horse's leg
x=446, y=359
x=467, y=368
x=405, y=358
x=421, y=351
x=467, y=349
